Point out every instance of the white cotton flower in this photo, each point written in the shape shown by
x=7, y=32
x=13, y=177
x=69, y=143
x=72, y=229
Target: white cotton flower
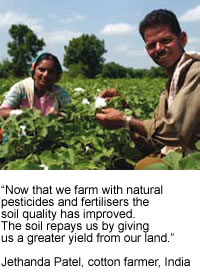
x=85, y=101
x=23, y=130
x=79, y=89
x=44, y=166
x=87, y=148
x=100, y=103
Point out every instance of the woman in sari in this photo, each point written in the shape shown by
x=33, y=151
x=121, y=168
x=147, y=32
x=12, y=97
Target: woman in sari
x=38, y=91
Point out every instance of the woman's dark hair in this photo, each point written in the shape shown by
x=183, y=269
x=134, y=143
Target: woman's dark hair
x=49, y=56
x=160, y=17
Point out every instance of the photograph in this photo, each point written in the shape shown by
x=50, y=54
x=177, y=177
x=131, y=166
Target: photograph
x=99, y=85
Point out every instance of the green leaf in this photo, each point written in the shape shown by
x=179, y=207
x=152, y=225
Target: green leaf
x=197, y=145
x=191, y=162
x=172, y=160
x=71, y=156
x=48, y=158
x=22, y=165
x=157, y=166
x=4, y=150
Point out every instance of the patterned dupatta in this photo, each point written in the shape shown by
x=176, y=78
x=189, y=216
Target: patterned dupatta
x=28, y=84
x=185, y=61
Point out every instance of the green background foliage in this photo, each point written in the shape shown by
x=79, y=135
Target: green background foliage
x=85, y=56
x=23, y=47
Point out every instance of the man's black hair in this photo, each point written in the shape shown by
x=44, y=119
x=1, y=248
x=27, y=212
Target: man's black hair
x=160, y=17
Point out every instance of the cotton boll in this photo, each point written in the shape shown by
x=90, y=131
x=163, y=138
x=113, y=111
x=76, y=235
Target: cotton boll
x=79, y=89
x=85, y=101
x=23, y=130
x=100, y=103
x=44, y=166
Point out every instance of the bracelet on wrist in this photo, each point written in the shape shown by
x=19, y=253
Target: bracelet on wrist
x=127, y=122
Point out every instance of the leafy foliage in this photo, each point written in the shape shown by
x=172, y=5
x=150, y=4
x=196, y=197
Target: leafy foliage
x=113, y=70
x=5, y=85
x=175, y=161
x=84, y=55
x=6, y=68
x=23, y=48
x=78, y=141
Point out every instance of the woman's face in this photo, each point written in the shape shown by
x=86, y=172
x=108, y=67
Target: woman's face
x=45, y=75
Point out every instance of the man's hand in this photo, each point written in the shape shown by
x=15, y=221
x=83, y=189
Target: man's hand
x=109, y=93
x=111, y=118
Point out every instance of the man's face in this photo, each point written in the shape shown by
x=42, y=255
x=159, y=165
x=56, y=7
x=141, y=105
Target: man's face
x=163, y=46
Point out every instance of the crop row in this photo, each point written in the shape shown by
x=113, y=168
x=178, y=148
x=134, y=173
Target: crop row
x=77, y=141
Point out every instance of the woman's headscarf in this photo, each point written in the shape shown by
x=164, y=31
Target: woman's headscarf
x=44, y=56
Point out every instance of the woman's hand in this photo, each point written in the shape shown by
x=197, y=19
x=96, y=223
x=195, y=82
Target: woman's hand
x=5, y=113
